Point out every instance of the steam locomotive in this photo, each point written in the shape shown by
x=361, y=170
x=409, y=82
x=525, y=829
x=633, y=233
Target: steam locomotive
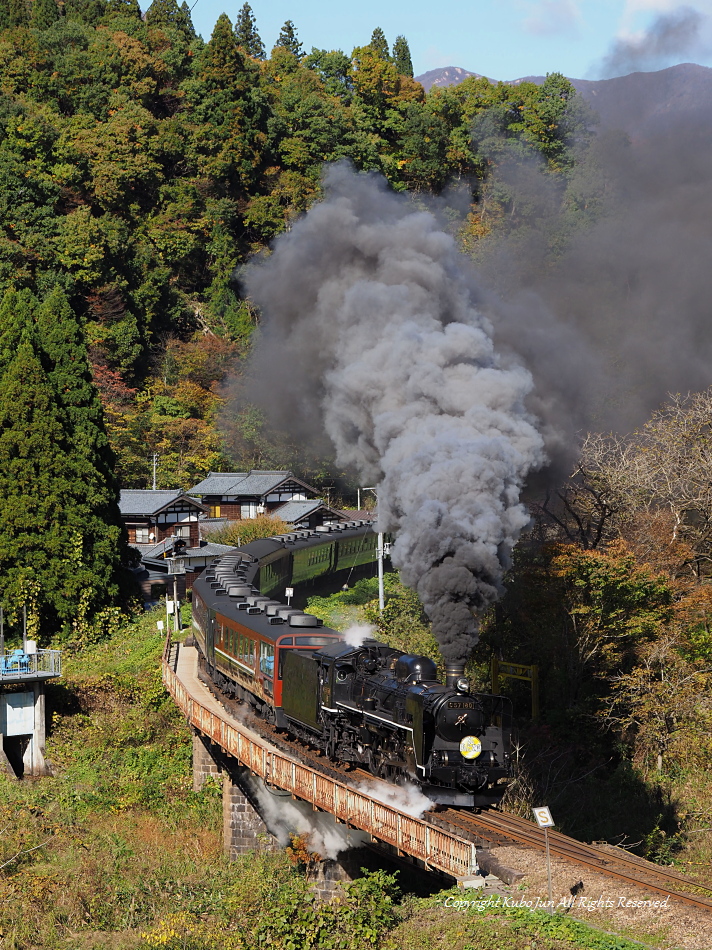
x=369, y=704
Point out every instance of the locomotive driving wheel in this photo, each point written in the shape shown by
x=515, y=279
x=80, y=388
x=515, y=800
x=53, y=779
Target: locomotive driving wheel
x=377, y=763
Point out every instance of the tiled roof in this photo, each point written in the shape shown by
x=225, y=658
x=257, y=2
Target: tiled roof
x=262, y=483
x=219, y=483
x=165, y=547
x=211, y=549
x=156, y=550
x=252, y=484
x=295, y=511
x=148, y=502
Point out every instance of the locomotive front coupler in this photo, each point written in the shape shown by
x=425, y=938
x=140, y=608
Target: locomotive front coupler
x=448, y=796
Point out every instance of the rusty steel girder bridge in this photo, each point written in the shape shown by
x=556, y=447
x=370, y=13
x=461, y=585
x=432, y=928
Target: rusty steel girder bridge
x=434, y=848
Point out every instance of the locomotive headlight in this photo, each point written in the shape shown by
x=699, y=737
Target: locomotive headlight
x=470, y=747
x=462, y=685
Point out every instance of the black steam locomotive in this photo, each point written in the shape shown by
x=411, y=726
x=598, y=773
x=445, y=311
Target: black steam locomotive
x=369, y=704
x=386, y=709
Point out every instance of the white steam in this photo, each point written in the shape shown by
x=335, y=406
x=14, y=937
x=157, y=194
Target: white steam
x=285, y=815
x=406, y=798
x=357, y=633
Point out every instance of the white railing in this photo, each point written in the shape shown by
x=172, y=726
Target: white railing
x=16, y=664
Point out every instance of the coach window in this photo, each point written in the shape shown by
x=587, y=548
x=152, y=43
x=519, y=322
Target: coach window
x=267, y=659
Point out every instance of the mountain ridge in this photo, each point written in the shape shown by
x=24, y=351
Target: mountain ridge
x=627, y=102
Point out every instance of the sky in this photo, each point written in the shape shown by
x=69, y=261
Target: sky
x=501, y=39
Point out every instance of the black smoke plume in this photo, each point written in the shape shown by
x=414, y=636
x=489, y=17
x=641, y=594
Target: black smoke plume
x=370, y=332
x=602, y=283
x=671, y=37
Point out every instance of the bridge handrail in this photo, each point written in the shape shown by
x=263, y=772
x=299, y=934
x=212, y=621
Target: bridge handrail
x=438, y=849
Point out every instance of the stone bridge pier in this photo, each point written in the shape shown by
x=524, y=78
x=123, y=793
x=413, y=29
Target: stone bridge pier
x=243, y=827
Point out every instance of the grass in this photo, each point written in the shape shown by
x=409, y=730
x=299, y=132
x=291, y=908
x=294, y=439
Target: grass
x=117, y=851
x=463, y=920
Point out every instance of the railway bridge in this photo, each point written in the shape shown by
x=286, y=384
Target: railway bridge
x=449, y=842
x=225, y=744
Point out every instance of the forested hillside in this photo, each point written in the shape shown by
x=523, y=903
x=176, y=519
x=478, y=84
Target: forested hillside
x=141, y=167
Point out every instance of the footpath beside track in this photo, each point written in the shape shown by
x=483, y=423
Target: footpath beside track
x=445, y=840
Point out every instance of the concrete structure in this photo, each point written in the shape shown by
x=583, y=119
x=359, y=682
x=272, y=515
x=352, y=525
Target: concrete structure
x=204, y=764
x=22, y=710
x=243, y=827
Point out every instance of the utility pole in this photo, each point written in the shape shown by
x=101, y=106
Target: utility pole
x=155, y=462
x=381, y=592
x=175, y=604
x=382, y=550
x=176, y=566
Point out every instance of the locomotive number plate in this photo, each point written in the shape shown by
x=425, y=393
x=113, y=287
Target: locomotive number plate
x=460, y=705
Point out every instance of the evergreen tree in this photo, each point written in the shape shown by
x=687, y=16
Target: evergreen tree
x=246, y=33
x=44, y=14
x=92, y=506
x=14, y=13
x=124, y=7
x=86, y=11
x=223, y=65
x=16, y=314
x=184, y=21
x=61, y=529
x=401, y=57
x=379, y=44
x=289, y=40
x=163, y=13
x=36, y=550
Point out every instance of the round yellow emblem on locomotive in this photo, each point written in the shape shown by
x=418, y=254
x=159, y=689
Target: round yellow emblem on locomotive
x=470, y=747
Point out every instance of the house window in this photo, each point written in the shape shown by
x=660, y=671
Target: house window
x=215, y=511
x=181, y=531
x=142, y=536
x=248, y=511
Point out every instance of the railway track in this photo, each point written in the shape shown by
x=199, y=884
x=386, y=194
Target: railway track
x=489, y=829
x=499, y=828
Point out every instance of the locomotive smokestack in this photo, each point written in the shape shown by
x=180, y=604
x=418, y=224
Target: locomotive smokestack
x=454, y=672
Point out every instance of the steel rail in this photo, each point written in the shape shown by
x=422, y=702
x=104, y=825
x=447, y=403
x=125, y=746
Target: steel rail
x=502, y=820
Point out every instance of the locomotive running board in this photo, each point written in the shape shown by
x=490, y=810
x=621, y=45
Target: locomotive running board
x=448, y=796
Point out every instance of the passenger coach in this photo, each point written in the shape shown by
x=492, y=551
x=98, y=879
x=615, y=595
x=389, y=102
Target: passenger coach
x=243, y=634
